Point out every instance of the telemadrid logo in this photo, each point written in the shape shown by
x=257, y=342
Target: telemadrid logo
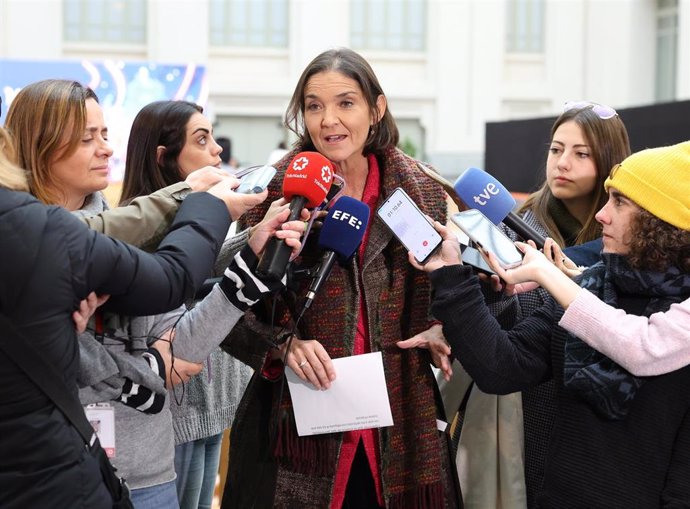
x=300, y=163
x=326, y=174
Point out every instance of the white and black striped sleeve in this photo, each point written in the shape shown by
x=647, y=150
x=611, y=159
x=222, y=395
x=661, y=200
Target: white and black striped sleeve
x=241, y=285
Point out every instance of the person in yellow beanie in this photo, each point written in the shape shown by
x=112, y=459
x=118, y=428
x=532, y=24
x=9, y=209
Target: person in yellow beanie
x=618, y=440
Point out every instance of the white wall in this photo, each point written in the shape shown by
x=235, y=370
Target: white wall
x=602, y=50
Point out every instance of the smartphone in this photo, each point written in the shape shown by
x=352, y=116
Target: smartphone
x=409, y=225
x=256, y=181
x=472, y=257
x=488, y=236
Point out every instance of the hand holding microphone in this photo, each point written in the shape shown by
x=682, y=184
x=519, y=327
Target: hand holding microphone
x=307, y=180
x=481, y=191
x=341, y=234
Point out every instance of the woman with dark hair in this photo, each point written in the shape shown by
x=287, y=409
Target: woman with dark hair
x=618, y=440
x=377, y=300
x=168, y=140
x=587, y=140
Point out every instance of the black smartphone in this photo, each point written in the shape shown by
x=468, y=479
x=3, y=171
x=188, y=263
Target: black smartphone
x=488, y=236
x=472, y=257
x=410, y=225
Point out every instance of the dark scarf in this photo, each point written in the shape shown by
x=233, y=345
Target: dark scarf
x=608, y=387
x=567, y=225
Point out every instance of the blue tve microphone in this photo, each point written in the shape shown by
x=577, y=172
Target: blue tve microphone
x=481, y=191
x=340, y=236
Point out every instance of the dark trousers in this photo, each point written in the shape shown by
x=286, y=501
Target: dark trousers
x=360, y=492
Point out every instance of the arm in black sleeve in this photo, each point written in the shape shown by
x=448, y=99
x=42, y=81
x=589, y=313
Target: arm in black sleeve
x=500, y=362
x=145, y=284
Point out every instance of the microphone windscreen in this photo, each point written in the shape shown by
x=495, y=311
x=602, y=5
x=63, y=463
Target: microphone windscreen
x=310, y=175
x=344, y=227
x=481, y=191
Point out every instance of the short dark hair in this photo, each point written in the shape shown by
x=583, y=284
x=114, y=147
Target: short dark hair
x=159, y=123
x=354, y=66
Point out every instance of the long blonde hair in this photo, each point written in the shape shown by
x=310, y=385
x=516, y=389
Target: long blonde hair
x=11, y=175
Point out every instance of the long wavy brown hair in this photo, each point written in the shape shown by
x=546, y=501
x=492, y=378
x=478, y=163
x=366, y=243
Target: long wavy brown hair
x=657, y=245
x=609, y=144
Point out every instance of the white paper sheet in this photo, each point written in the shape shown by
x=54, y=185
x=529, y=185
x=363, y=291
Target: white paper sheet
x=357, y=399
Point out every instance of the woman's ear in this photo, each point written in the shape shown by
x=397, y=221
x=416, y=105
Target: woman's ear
x=381, y=106
x=160, y=150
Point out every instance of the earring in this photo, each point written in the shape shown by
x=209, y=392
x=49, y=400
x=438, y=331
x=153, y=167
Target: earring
x=372, y=130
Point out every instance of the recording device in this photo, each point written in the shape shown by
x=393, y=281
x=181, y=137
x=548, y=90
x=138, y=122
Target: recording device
x=307, y=181
x=488, y=236
x=473, y=258
x=256, y=181
x=410, y=226
x=481, y=191
x=341, y=234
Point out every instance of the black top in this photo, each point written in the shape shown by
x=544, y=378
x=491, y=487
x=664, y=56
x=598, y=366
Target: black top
x=642, y=461
x=49, y=261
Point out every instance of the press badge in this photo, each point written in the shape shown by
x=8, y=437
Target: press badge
x=102, y=417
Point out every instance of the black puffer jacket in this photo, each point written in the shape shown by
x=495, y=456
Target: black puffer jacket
x=49, y=261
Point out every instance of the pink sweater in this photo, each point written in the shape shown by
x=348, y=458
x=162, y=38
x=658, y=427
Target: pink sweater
x=644, y=346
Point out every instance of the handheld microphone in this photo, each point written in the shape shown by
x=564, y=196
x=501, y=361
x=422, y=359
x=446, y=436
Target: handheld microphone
x=306, y=183
x=341, y=234
x=481, y=191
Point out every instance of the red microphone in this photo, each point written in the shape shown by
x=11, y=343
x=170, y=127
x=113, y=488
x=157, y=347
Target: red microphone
x=307, y=181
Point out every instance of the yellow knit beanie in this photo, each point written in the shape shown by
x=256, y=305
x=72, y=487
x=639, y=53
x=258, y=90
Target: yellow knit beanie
x=658, y=180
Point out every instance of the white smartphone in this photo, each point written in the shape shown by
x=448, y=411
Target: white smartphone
x=409, y=225
x=488, y=236
x=256, y=181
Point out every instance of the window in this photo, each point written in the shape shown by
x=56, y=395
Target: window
x=262, y=23
x=119, y=21
x=666, y=49
x=525, y=26
x=396, y=25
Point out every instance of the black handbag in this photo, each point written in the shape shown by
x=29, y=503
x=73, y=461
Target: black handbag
x=45, y=376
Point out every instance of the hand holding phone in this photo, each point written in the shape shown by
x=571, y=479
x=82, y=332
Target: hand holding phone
x=410, y=226
x=488, y=237
x=472, y=257
x=256, y=181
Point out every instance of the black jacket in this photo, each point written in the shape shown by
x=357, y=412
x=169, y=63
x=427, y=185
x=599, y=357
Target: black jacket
x=49, y=261
x=640, y=462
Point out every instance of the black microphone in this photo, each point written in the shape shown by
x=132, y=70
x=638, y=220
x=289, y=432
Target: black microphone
x=481, y=191
x=307, y=180
x=340, y=236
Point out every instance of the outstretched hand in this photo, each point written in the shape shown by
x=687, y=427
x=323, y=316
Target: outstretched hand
x=433, y=340
x=237, y=203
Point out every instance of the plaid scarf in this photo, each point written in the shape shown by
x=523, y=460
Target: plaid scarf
x=608, y=387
